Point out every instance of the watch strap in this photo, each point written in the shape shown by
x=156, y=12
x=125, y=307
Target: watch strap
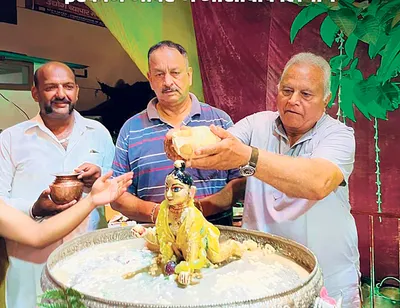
x=254, y=157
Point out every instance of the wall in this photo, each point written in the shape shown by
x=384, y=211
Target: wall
x=47, y=36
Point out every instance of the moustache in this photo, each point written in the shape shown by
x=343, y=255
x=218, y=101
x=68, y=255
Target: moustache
x=63, y=101
x=169, y=90
x=49, y=109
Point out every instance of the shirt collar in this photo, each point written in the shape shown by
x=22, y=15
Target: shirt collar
x=152, y=112
x=81, y=123
x=279, y=129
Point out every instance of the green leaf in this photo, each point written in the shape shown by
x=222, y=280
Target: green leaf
x=354, y=65
x=356, y=75
x=387, y=11
x=328, y=31
x=389, y=53
x=375, y=49
x=346, y=3
x=350, y=45
x=334, y=89
x=331, y=5
x=395, y=20
x=345, y=19
x=327, y=3
x=74, y=299
x=372, y=7
x=376, y=110
x=59, y=305
x=350, y=4
x=338, y=62
x=304, y=17
x=302, y=2
x=347, y=98
x=362, y=108
x=378, y=97
x=367, y=30
x=389, y=96
x=367, y=90
x=392, y=69
x=73, y=292
x=43, y=305
x=54, y=305
x=387, y=6
x=54, y=294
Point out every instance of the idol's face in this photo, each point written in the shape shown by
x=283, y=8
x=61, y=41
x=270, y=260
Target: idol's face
x=176, y=192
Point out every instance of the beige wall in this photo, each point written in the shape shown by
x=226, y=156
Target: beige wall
x=47, y=36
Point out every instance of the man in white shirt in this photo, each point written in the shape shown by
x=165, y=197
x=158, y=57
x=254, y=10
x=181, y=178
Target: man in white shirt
x=298, y=161
x=57, y=140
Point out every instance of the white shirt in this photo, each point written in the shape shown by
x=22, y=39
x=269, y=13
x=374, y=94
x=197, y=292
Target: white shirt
x=325, y=226
x=29, y=156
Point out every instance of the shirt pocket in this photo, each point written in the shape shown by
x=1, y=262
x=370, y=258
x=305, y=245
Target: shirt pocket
x=94, y=157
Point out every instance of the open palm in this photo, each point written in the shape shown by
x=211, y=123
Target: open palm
x=106, y=190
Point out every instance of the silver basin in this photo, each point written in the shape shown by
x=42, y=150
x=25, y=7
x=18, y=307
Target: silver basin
x=301, y=296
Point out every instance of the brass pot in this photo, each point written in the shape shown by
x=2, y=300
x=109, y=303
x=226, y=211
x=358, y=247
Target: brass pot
x=388, y=294
x=66, y=187
x=384, y=296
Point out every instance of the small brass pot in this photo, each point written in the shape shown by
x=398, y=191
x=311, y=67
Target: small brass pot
x=66, y=187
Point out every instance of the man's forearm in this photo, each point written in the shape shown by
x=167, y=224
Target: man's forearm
x=225, y=198
x=134, y=208
x=298, y=177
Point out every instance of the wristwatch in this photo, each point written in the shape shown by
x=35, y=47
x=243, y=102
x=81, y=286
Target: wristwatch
x=250, y=168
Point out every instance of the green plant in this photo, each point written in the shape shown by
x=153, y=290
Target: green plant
x=347, y=23
x=60, y=298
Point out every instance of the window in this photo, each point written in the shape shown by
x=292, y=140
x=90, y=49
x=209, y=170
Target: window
x=16, y=75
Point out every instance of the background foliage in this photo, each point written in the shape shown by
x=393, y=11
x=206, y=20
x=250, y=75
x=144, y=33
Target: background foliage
x=348, y=23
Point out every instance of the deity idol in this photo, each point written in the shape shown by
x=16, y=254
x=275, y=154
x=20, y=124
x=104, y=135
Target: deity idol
x=185, y=240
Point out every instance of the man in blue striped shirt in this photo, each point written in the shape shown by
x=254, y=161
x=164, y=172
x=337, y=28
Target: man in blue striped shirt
x=140, y=144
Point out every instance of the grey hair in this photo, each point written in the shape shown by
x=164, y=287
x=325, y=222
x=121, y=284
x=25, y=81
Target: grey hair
x=168, y=44
x=312, y=59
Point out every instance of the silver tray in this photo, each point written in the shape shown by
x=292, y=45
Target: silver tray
x=302, y=296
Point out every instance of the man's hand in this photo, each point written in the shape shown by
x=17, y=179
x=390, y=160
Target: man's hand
x=89, y=174
x=169, y=147
x=106, y=190
x=44, y=206
x=197, y=203
x=227, y=154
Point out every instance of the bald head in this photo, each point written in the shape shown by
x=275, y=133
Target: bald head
x=55, y=90
x=48, y=68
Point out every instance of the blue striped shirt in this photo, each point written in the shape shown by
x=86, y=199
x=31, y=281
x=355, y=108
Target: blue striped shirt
x=140, y=148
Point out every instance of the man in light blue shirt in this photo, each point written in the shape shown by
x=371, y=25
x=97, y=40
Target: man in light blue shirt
x=298, y=161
